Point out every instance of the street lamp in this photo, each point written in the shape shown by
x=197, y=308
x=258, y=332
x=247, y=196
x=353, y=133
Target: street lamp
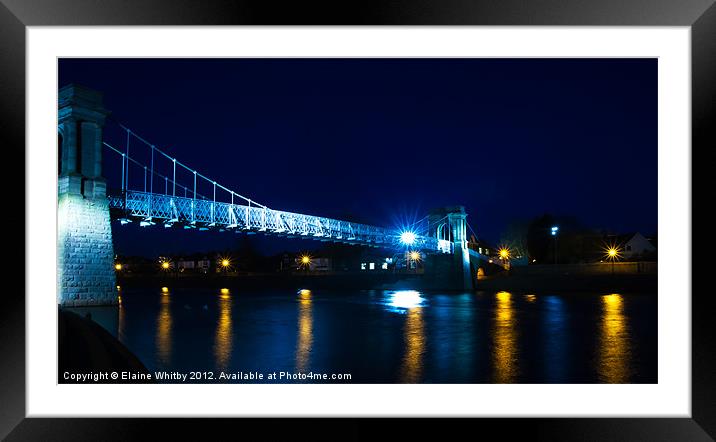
x=306, y=262
x=413, y=256
x=223, y=263
x=612, y=253
x=504, y=254
x=407, y=238
x=555, y=229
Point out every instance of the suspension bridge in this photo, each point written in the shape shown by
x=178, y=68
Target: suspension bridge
x=227, y=209
x=157, y=189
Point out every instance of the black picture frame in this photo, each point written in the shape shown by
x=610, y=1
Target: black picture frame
x=700, y=15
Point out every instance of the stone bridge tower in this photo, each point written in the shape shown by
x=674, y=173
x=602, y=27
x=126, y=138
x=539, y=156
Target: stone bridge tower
x=85, y=254
x=450, y=271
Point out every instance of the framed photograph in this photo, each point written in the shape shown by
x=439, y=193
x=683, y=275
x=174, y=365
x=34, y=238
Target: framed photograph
x=434, y=212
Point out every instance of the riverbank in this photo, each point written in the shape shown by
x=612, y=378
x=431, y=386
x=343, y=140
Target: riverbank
x=507, y=281
x=252, y=282
x=85, y=349
x=562, y=283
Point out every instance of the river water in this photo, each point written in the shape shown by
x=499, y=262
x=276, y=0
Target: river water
x=391, y=336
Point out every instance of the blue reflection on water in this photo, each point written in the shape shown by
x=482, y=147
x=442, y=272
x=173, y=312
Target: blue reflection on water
x=403, y=300
x=555, y=341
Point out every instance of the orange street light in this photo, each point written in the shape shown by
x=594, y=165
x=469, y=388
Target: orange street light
x=612, y=254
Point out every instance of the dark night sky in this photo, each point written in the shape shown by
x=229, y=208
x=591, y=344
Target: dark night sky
x=389, y=139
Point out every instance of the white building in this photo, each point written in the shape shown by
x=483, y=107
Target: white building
x=634, y=245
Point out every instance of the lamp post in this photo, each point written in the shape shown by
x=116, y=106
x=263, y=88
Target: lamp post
x=613, y=254
x=414, y=257
x=505, y=257
x=306, y=262
x=555, y=229
x=225, y=264
x=166, y=267
x=408, y=239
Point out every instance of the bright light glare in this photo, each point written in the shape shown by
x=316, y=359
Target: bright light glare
x=165, y=265
x=118, y=266
x=504, y=253
x=414, y=256
x=406, y=299
x=407, y=238
x=225, y=262
x=305, y=259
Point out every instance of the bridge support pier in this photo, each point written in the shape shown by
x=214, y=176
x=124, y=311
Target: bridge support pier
x=85, y=253
x=449, y=272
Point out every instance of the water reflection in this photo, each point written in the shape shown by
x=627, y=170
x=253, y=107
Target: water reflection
x=462, y=336
x=394, y=336
x=122, y=324
x=305, y=331
x=163, y=338
x=412, y=367
x=121, y=320
x=410, y=303
x=505, y=339
x=223, y=337
x=404, y=299
x=614, y=350
x=555, y=342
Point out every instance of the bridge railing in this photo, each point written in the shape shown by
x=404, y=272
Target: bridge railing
x=194, y=212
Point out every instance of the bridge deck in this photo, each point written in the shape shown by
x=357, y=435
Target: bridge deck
x=206, y=213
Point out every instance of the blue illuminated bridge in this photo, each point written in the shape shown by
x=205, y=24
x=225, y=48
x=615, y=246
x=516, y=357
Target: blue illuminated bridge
x=155, y=197
x=157, y=189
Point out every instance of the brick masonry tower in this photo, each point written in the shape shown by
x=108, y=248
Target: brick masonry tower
x=85, y=256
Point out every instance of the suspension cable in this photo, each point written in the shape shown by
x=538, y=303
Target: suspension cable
x=153, y=147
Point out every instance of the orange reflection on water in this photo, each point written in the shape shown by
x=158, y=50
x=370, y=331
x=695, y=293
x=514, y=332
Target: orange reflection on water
x=412, y=367
x=614, y=350
x=505, y=340
x=163, y=338
x=224, y=336
x=121, y=321
x=121, y=324
x=305, y=331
